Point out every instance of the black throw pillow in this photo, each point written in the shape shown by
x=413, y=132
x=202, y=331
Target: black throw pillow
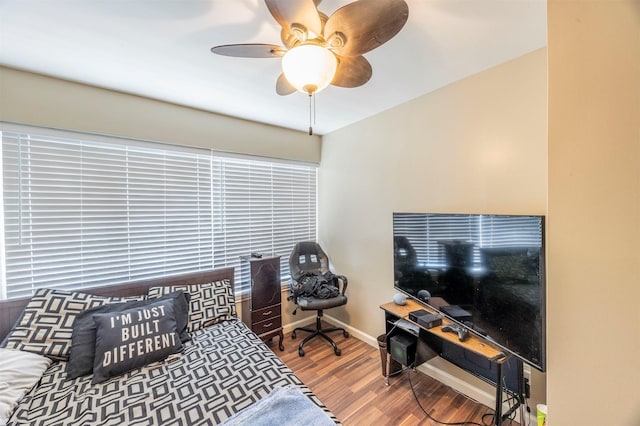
x=83, y=338
x=134, y=338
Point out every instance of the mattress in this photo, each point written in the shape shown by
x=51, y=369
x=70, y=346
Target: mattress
x=224, y=369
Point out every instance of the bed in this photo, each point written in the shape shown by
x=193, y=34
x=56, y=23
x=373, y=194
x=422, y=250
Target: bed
x=220, y=373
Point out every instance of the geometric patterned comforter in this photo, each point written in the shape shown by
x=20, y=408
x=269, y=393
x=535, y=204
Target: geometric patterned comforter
x=223, y=369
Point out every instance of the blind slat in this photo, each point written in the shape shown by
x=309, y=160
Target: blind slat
x=84, y=210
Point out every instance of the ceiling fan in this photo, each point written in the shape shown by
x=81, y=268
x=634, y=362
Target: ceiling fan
x=320, y=50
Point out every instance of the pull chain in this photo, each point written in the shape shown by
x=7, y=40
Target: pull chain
x=312, y=114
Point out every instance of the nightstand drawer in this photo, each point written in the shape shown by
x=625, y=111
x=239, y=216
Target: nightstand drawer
x=267, y=325
x=266, y=313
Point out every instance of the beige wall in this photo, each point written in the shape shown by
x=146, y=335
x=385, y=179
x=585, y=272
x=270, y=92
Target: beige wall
x=594, y=213
x=488, y=135
x=34, y=99
x=476, y=146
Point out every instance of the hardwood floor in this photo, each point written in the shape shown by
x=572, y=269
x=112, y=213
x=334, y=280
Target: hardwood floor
x=353, y=388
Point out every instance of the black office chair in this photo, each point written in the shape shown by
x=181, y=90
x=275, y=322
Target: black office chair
x=315, y=288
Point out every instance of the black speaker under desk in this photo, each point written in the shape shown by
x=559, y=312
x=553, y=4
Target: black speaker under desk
x=402, y=348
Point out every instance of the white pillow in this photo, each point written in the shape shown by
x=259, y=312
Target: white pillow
x=19, y=372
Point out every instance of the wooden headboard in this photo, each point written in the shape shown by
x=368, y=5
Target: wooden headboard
x=10, y=310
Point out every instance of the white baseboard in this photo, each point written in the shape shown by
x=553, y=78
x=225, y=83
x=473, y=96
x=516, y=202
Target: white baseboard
x=287, y=328
x=465, y=383
x=353, y=331
x=336, y=323
x=439, y=369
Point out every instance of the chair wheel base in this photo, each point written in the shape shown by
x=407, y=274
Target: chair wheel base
x=319, y=331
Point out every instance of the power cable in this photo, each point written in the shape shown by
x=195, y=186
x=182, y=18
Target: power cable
x=434, y=419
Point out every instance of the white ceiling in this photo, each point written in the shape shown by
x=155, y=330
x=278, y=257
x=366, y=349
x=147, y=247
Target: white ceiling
x=160, y=49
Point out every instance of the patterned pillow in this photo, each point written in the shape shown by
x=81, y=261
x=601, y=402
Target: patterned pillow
x=210, y=302
x=134, y=338
x=83, y=341
x=46, y=325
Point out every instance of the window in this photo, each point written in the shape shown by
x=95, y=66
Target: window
x=263, y=207
x=84, y=210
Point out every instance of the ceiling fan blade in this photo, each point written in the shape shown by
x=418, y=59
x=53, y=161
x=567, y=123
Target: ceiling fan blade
x=283, y=87
x=353, y=71
x=364, y=25
x=302, y=12
x=250, y=50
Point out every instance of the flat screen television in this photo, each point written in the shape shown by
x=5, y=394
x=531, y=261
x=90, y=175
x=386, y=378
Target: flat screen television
x=490, y=266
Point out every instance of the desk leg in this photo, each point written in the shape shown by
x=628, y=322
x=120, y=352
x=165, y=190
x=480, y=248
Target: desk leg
x=498, y=413
x=387, y=369
x=393, y=367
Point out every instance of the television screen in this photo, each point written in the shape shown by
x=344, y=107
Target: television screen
x=484, y=271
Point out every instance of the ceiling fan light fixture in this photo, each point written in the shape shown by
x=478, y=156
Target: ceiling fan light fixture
x=309, y=67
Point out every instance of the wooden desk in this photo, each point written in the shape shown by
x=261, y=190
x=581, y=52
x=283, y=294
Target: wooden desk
x=474, y=343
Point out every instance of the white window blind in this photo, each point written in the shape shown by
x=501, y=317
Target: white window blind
x=85, y=210
x=263, y=207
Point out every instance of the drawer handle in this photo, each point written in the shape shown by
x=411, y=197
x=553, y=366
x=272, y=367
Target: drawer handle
x=264, y=314
x=267, y=325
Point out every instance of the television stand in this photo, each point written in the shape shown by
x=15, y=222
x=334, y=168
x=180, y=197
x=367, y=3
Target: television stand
x=430, y=340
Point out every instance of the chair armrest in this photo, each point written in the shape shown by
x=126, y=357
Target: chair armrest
x=345, y=282
x=294, y=289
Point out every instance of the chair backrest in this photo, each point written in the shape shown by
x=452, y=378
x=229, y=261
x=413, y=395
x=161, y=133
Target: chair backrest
x=308, y=257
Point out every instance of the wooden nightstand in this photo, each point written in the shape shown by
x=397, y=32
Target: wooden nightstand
x=266, y=295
